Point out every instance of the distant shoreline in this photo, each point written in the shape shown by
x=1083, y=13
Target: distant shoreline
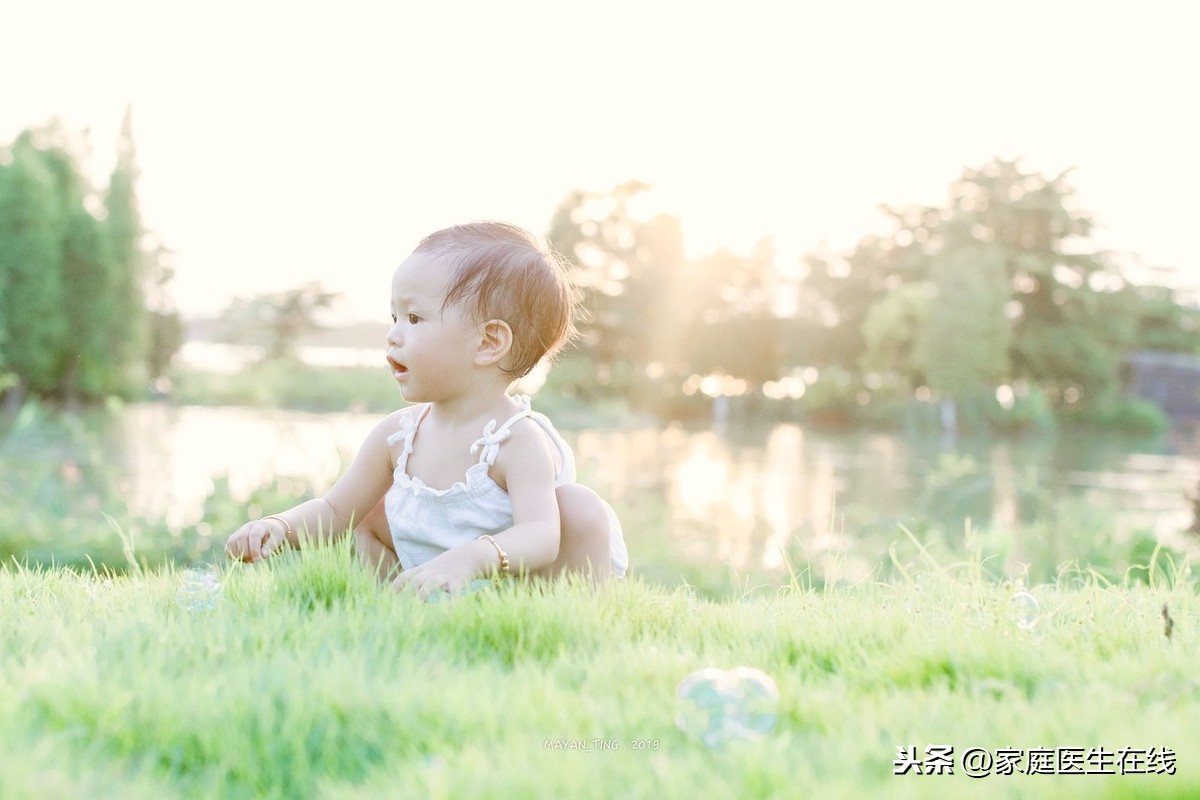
x=364, y=334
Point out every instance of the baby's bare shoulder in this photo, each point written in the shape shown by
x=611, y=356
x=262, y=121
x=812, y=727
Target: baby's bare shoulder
x=529, y=439
x=394, y=422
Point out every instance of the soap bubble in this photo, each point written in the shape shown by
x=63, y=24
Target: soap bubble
x=1024, y=610
x=718, y=706
x=199, y=587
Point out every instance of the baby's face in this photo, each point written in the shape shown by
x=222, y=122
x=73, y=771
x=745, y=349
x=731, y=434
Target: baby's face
x=419, y=286
x=428, y=348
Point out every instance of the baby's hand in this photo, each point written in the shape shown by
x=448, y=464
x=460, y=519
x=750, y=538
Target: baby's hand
x=256, y=540
x=451, y=572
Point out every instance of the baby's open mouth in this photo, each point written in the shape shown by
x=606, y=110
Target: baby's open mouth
x=396, y=366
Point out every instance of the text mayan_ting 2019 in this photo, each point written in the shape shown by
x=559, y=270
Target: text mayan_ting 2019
x=600, y=745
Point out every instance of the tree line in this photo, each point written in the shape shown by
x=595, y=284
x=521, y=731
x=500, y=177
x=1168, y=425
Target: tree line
x=85, y=311
x=994, y=305
x=996, y=302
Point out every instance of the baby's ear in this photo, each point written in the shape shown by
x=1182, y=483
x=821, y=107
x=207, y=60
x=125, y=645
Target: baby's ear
x=495, y=342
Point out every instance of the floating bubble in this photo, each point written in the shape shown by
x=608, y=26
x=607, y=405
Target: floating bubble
x=1024, y=610
x=199, y=587
x=718, y=706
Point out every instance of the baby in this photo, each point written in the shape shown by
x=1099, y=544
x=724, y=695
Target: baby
x=468, y=481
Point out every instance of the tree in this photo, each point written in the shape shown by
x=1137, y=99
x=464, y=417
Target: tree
x=165, y=327
x=276, y=322
x=1160, y=321
x=88, y=271
x=127, y=335
x=839, y=291
x=964, y=344
x=1063, y=338
x=1015, y=291
x=893, y=331
x=72, y=310
x=655, y=317
x=725, y=317
x=32, y=223
x=624, y=266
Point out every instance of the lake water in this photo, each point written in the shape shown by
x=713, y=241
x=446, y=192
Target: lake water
x=738, y=495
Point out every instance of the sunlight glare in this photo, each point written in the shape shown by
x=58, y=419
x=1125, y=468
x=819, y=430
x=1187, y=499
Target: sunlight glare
x=701, y=478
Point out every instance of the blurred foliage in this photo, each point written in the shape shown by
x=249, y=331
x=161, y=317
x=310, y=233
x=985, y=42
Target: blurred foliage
x=1120, y=413
x=276, y=322
x=1029, y=410
x=654, y=318
x=66, y=497
x=166, y=340
x=997, y=290
x=32, y=233
x=286, y=383
x=964, y=344
x=74, y=264
x=998, y=287
x=128, y=332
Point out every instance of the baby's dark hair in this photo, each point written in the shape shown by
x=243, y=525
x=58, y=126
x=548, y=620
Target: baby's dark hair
x=499, y=271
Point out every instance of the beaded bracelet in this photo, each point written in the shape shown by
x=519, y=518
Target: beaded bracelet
x=504, y=570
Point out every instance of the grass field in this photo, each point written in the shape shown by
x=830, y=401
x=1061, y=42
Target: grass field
x=306, y=680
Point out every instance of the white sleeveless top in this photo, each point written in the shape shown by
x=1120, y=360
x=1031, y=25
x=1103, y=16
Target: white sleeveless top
x=426, y=522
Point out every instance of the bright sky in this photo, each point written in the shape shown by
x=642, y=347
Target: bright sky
x=282, y=143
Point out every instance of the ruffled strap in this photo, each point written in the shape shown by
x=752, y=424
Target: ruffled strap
x=407, y=432
x=488, y=445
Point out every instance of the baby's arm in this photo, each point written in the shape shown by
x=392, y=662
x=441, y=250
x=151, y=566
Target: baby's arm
x=329, y=517
x=525, y=467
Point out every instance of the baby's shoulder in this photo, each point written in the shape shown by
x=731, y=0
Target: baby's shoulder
x=397, y=423
x=529, y=437
x=408, y=414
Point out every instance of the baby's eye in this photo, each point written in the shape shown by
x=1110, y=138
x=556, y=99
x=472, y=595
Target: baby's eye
x=393, y=319
x=413, y=319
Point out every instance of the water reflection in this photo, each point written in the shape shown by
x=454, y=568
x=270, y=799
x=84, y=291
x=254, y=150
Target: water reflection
x=174, y=453
x=742, y=496
x=746, y=497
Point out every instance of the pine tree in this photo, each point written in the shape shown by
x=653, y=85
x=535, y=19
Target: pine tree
x=31, y=280
x=165, y=326
x=128, y=335
x=85, y=368
x=73, y=316
x=89, y=271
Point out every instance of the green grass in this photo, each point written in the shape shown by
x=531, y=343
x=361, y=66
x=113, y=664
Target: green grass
x=308, y=680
